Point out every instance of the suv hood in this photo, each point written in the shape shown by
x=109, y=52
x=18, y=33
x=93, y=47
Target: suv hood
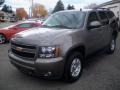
x=41, y=36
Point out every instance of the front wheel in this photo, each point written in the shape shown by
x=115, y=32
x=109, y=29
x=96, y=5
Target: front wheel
x=112, y=46
x=74, y=67
x=2, y=39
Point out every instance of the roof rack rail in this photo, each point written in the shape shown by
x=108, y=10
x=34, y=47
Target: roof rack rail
x=102, y=8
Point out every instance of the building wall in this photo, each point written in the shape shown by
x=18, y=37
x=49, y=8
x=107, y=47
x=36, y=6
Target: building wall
x=5, y=16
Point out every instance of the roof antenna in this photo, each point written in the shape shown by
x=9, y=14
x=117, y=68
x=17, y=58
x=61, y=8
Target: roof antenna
x=80, y=9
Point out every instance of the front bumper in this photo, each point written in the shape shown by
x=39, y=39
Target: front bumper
x=53, y=68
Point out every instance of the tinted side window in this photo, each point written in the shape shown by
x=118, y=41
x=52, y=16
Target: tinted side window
x=24, y=25
x=110, y=14
x=92, y=17
x=103, y=17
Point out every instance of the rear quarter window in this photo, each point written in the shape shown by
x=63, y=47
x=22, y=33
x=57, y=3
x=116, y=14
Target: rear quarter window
x=110, y=14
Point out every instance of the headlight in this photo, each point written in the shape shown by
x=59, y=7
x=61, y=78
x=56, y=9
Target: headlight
x=49, y=52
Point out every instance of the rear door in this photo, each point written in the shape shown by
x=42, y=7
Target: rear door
x=105, y=28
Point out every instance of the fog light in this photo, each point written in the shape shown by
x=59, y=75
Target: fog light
x=48, y=74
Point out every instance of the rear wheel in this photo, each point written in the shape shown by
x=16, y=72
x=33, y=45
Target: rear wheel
x=2, y=39
x=112, y=46
x=73, y=68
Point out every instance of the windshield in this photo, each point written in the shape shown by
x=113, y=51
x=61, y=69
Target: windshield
x=70, y=20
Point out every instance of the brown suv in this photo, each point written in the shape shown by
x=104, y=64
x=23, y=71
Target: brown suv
x=59, y=48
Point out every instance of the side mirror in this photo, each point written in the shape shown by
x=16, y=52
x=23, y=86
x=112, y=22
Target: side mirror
x=94, y=24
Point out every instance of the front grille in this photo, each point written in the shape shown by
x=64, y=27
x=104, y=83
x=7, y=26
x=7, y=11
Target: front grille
x=25, y=51
x=25, y=46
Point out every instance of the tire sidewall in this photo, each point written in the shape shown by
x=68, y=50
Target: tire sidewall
x=110, y=51
x=68, y=74
x=4, y=37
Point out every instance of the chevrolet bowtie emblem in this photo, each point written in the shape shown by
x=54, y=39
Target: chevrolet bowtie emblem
x=19, y=49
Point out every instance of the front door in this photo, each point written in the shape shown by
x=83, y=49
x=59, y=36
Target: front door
x=94, y=36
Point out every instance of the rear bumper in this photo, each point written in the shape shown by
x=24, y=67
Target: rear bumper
x=53, y=68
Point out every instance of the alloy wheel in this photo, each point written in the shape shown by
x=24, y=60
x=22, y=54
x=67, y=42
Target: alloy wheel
x=112, y=45
x=75, y=67
x=2, y=39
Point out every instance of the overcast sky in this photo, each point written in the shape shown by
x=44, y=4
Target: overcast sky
x=49, y=4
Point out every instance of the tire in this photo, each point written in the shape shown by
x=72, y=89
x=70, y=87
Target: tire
x=73, y=67
x=2, y=39
x=112, y=46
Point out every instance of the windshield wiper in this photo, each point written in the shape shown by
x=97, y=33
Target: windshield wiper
x=61, y=26
x=45, y=26
x=58, y=26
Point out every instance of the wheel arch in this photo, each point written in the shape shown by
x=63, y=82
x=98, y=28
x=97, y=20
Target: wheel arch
x=115, y=34
x=4, y=35
x=76, y=48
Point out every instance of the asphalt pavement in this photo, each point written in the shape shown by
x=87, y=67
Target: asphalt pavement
x=101, y=72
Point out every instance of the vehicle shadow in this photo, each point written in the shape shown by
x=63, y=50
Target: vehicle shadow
x=95, y=58
x=40, y=81
x=91, y=62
